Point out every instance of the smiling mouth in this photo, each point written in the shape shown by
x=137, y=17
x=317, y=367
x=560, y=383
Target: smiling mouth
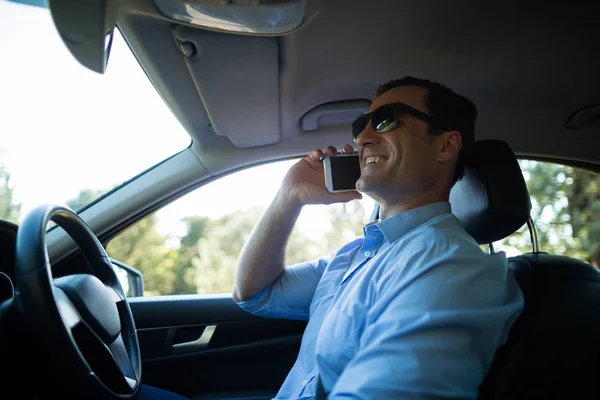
x=374, y=160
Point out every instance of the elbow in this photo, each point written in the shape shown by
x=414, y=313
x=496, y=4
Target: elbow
x=239, y=294
x=237, y=297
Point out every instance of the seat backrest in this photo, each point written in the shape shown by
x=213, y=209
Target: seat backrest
x=553, y=351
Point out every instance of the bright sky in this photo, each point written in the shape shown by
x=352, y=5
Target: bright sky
x=64, y=128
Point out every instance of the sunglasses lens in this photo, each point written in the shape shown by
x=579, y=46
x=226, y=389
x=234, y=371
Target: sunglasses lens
x=359, y=125
x=384, y=119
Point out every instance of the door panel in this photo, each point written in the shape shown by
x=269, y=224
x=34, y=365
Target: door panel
x=245, y=355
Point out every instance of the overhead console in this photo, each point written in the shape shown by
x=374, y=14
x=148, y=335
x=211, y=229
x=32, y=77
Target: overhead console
x=249, y=17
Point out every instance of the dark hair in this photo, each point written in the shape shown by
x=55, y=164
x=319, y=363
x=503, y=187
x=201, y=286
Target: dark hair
x=452, y=110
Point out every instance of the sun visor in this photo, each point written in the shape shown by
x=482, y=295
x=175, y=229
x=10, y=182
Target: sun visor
x=237, y=78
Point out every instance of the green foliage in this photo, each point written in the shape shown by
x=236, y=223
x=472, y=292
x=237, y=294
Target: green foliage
x=346, y=222
x=206, y=258
x=219, y=248
x=300, y=247
x=566, y=208
x=188, y=252
x=144, y=248
x=84, y=197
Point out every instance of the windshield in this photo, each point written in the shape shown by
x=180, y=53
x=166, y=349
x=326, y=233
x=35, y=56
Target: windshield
x=64, y=129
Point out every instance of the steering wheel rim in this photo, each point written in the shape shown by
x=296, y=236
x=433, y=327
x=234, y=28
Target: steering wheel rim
x=85, y=319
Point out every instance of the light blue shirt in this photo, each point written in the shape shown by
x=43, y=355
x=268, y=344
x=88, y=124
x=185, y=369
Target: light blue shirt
x=414, y=310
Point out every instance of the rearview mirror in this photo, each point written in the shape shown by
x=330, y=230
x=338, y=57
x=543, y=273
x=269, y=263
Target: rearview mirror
x=86, y=28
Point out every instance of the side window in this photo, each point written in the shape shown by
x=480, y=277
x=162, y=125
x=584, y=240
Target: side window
x=191, y=246
x=565, y=209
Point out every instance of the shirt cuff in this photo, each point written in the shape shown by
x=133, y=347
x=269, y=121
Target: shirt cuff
x=255, y=303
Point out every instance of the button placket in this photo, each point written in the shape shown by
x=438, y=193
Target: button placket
x=373, y=240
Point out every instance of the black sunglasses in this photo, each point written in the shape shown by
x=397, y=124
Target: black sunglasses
x=385, y=118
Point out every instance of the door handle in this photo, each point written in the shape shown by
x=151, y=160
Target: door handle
x=199, y=344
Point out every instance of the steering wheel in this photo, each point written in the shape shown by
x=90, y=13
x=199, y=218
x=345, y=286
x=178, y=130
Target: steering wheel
x=83, y=320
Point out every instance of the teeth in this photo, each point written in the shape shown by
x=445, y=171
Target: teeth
x=374, y=160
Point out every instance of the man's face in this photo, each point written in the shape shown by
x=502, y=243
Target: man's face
x=401, y=162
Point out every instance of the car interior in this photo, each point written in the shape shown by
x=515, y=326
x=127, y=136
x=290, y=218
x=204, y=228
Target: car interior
x=251, y=97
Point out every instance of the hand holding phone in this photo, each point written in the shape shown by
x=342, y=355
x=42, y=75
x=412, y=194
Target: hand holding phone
x=304, y=182
x=341, y=172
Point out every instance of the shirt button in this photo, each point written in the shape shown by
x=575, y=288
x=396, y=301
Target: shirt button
x=304, y=382
x=368, y=253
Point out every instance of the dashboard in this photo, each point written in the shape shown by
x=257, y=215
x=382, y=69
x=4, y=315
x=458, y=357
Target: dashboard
x=8, y=242
x=73, y=264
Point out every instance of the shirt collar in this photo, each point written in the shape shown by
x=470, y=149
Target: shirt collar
x=399, y=225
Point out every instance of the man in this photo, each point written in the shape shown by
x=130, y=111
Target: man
x=415, y=309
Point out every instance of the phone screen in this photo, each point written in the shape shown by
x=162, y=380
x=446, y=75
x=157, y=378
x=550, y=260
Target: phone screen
x=345, y=171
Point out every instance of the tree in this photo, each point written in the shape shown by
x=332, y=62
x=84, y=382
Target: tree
x=9, y=210
x=301, y=247
x=584, y=212
x=84, y=197
x=219, y=248
x=185, y=270
x=565, y=206
x=143, y=247
x=211, y=248
x=566, y=211
x=346, y=222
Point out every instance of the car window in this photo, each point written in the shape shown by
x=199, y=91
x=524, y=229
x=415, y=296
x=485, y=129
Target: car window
x=565, y=210
x=68, y=133
x=191, y=246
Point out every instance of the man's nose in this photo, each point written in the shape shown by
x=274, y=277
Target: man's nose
x=367, y=136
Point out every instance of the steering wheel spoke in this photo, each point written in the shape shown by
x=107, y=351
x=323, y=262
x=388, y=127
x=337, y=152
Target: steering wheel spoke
x=69, y=313
x=114, y=295
x=123, y=362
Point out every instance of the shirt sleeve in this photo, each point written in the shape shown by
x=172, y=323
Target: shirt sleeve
x=290, y=295
x=433, y=331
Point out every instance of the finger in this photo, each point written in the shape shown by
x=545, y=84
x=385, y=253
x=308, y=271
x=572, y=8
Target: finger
x=330, y=150
x=317, y=154
x=348, y=149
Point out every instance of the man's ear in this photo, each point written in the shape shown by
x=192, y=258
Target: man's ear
x=450, y=145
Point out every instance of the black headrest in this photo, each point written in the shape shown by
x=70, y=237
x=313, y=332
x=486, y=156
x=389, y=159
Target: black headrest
x=491, y=200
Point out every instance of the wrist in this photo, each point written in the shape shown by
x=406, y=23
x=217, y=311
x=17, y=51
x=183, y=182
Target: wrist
x=287, y=201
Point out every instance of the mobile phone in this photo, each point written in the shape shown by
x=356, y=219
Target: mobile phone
x=341, y=172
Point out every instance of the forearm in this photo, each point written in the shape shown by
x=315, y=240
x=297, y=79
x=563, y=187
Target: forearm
x=261, y=260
